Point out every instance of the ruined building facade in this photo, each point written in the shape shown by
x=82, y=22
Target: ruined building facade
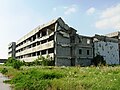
x=58, y=40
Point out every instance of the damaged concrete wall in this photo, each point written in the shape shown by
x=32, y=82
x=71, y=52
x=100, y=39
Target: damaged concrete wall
x=84, y=50
x=62, y=46
x=109, y=50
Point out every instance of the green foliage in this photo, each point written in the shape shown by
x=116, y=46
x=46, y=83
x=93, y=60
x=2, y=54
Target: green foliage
x=4, y=70
x=44, y=61
x=65, y=78
x=98, y=60
x=34, y=79
x=14, y=63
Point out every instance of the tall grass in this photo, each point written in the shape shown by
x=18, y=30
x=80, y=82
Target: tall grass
x=65, y=78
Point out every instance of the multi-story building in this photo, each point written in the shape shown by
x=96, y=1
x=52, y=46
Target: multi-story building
x=59, y=41
x=12, y=49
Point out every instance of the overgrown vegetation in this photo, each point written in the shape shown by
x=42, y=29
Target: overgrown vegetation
x=39, y=61
x=44, y=61
x=41, y=77
x=14, y=63
x=99, y=60
x=64, y=78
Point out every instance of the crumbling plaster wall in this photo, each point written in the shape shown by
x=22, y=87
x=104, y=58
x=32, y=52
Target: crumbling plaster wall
x=63, y=55
x=109, y=50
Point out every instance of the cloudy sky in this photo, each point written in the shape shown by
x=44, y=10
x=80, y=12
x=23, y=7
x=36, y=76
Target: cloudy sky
x=89, y=17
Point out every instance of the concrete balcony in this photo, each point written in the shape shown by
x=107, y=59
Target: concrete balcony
x=38, y=39
x=44, y=46
x=31, y=59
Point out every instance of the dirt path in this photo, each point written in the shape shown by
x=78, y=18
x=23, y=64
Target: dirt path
x=4, y=86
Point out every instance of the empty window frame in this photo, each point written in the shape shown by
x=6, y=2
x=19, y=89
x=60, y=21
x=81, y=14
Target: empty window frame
x=51, y=38
x=80, y=51
x=51, y=50
x=34, y=54
x=38, y=43
x=43, y=41
x=43, y=52
x=38, y=53
x=44, y=33
x=88, y=52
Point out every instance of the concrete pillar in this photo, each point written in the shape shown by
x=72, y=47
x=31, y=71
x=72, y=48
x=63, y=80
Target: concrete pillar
x=36, y=36
x=55, y=44
x=47, y=31
x=40, y=34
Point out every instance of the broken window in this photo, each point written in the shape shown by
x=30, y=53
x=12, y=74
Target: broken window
x=38, y=53
x=34, y=37
x=43, y=52
x=80, y=51
x=88, y=52
x=51, y=50
x=34, y=54
x=72, y=39
x=34, y=44
x=44, y=33
x=80, y=40
x=43, y=41
x=51, y=38
x=38, y=43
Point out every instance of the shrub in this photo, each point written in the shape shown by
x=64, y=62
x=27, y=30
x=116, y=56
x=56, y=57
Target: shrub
x=14, y=63
x=44, y=61
x=17, y=64
x=98, y=60
x=4, y=70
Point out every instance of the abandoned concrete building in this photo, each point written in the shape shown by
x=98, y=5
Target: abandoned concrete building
x=62, y=43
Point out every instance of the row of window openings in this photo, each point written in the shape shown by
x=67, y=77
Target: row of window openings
x=80, y=52
x=36, y=44
x=38, y=35
x=43, y=52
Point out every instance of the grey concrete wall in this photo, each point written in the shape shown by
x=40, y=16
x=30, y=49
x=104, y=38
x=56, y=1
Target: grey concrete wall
x=63, y=62
x=83, y=59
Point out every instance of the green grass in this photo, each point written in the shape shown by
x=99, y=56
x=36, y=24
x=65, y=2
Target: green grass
x=64, y=78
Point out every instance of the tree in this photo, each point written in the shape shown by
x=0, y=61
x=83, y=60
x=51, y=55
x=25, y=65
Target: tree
x=98, y=60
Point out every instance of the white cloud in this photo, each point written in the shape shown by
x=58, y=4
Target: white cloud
x=70, y=9
x=90, y=11
x=67, y=10
x=109, y=18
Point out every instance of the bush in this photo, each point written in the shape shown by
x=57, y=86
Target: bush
x=17, y=64
x=4, y=70
x=14, y=63
x=98, y=60
x=35, y=79
x=44, y=61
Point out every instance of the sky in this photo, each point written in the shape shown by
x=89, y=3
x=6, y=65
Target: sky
x=88, y=17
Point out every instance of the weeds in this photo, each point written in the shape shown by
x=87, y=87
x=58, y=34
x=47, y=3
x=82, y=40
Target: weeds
x=69, y=78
